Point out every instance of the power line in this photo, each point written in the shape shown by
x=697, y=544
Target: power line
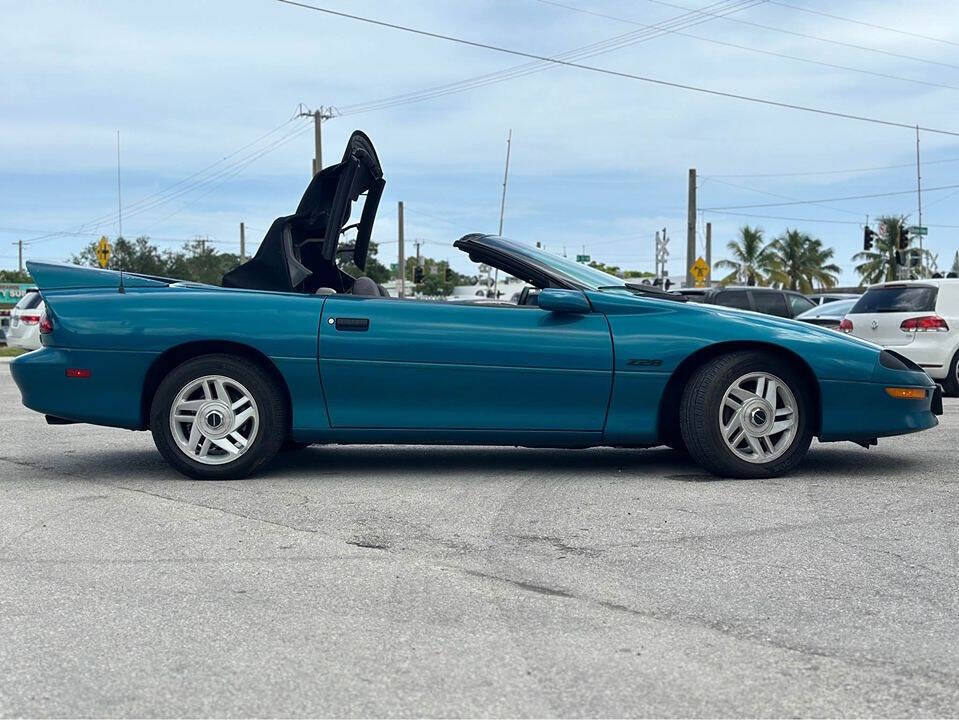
x=830, y=172
x=620, y=74
x=163, y=191
x=837, y=199
x=783, y=197
x=174, y=191
x=793, y=219
x=617, y=42
x=812, y=37
x=809, y=61
x=864, y=23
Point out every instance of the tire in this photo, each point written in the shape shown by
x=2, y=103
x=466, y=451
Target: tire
x=237, y=404
x=755, y=449
x=951, y=384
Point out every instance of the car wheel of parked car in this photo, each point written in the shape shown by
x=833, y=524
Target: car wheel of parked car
x=746, y=415
x=951, y=383
x=218, y=417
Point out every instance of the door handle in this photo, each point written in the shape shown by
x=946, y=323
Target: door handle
x=352, y=324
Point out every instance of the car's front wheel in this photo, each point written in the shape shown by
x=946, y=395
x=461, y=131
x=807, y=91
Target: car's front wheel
x=747, y=415
x=218, y=417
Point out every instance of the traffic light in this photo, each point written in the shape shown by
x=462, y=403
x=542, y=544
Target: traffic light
x=915, y=258
x=903, y=238
x=901, y=258
x=448, y=275
x=418, y=274
x=667, y=283
x=868, y=238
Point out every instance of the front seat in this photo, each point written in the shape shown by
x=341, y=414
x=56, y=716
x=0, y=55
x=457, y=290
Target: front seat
x=364, y=286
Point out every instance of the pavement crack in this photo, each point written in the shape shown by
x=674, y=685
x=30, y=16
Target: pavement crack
x=557, y=543
x=235, y=513
x=521, y=584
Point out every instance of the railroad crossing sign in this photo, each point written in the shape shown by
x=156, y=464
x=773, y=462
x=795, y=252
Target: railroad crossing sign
x=103, y=251
x=917, y=230
x=700, y=272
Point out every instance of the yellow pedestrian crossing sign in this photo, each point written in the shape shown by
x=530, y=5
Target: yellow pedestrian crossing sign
x=700, y=272
x=103, y=251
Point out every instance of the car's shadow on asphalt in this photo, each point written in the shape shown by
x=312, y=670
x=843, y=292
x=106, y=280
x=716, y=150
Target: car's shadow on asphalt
x=382, y=463
x=832, y=461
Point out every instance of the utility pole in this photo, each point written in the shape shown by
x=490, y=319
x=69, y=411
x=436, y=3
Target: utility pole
x=922, y=272
x=691, y=228
x=20, y=255
x=502, y=208
x=242, y=242
x=119, y=196
x=401, y=260
x=709, y=252
x=319, y=115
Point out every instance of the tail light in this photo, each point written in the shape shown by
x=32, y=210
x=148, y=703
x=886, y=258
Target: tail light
x=846, y=325
x=927, y=323
x=46, y=323
x=29, y=319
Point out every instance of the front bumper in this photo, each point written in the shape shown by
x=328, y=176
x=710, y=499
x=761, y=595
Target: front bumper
x=853, y=410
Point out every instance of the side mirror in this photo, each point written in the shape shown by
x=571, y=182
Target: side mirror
x=563, y=301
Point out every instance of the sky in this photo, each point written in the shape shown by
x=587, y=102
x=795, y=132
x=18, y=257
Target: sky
x=204, y=95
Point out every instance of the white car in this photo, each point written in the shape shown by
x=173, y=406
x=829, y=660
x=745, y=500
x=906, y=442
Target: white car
x=24, y=330
x=916, y=318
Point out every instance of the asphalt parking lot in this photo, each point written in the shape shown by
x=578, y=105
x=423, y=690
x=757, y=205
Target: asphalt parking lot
x=461, y=581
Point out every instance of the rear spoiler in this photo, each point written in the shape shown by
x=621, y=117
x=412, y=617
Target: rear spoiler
x=63, y=276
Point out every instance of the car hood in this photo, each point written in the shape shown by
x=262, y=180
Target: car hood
x=761, y=320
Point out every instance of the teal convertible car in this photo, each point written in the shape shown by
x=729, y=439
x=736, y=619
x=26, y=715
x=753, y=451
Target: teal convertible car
x=292, y=350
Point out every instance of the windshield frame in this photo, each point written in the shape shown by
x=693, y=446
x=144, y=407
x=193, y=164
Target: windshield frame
x=561, y=269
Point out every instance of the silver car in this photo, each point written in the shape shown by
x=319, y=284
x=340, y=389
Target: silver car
x=829, y=314
x=24, y=330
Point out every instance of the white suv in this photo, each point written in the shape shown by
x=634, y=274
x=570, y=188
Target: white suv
x=916, y=318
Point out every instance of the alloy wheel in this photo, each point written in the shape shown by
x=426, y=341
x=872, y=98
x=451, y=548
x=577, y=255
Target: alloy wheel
x=214, y=419
x=758, y=417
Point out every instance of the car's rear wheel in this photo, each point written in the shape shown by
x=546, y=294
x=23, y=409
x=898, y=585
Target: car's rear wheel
x=218, y=417
x=746, y=415
x=951, y=383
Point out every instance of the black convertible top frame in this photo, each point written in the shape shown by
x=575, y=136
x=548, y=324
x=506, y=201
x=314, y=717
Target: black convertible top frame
x=298, y=253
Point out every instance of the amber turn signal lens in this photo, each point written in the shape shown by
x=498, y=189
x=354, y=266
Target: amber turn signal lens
x=907, y=393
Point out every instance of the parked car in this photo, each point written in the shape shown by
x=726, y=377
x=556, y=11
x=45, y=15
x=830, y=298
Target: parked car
x=829, y=315
x=24, y=330
x=824, y=298
x=918, y=319
x=769, y=301
x=339, y=361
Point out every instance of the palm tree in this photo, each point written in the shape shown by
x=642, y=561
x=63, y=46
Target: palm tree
x=751, y=262
x=879, y=264
x=802, y=262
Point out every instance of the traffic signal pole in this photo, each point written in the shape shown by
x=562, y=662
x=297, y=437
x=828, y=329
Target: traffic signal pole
x=691, y=228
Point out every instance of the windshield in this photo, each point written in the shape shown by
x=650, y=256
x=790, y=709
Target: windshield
x=897, y=299
x=582, y=274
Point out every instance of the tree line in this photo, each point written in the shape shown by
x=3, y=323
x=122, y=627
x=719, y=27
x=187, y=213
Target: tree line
x=199, y=261
x=798, y=261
